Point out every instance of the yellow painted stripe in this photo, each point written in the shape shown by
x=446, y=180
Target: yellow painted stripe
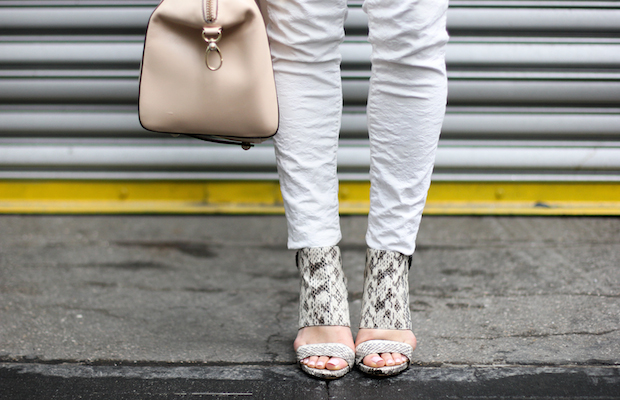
x=263, y=197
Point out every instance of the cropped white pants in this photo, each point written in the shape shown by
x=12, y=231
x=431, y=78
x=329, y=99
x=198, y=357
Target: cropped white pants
x=406, y=106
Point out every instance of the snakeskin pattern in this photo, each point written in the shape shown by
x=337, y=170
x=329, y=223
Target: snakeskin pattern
x=323, y=294
x=385, y=303
x=326, y=349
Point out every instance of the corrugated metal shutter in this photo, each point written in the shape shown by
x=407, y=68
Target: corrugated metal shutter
x=534, y=94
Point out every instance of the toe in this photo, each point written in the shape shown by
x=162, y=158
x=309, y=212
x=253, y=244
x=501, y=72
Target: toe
x=312, y=361
x=399, y=358
x=320, y=364
x=374, y=361
x=335, y=363
x=387, y=357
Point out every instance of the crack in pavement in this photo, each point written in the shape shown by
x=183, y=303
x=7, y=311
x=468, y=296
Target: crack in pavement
x=278, y=318
x=540, y=335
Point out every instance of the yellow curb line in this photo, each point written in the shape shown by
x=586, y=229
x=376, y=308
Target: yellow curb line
x=263, y=197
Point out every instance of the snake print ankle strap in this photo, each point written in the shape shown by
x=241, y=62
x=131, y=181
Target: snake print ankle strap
x=385, y=303
x=323, y=295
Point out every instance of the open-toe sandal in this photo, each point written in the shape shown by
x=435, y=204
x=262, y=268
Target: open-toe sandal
x=323, y=301
x=385, y=305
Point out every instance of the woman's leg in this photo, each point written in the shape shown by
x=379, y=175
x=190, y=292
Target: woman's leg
x=406, y=106
x=305, y=36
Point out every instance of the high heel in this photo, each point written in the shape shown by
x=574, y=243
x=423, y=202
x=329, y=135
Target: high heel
x=385, y=305
x=323, y=301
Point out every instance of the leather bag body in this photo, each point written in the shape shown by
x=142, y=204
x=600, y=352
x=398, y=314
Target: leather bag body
x=214, y=88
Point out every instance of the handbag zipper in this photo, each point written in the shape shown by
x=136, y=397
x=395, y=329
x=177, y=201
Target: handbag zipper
x=209, y=10
x=211, y=34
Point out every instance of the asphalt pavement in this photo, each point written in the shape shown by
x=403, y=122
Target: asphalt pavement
x=143, y=307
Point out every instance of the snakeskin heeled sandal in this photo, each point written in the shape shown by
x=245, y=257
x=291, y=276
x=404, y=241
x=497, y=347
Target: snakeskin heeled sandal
x=385, y=305
x=323, y=301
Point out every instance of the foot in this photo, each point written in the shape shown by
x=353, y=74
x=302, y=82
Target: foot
x=324, y=334
x=385, y=359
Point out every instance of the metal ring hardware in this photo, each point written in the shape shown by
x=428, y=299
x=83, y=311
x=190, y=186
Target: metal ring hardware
x=212, y=40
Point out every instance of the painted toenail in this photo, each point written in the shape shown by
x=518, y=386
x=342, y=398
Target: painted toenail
x=319, y=364
x=376, y=359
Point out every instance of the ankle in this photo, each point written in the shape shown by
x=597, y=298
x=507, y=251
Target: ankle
x=323, y=292
x=385, y=301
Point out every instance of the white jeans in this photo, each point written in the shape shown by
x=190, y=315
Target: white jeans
x=406, y=106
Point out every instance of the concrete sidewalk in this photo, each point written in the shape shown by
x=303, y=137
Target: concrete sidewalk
x=178, y=306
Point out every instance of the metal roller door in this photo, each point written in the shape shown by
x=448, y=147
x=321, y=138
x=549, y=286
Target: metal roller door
x=533, y=121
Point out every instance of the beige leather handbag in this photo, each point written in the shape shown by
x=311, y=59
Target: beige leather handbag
x=206, y=72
